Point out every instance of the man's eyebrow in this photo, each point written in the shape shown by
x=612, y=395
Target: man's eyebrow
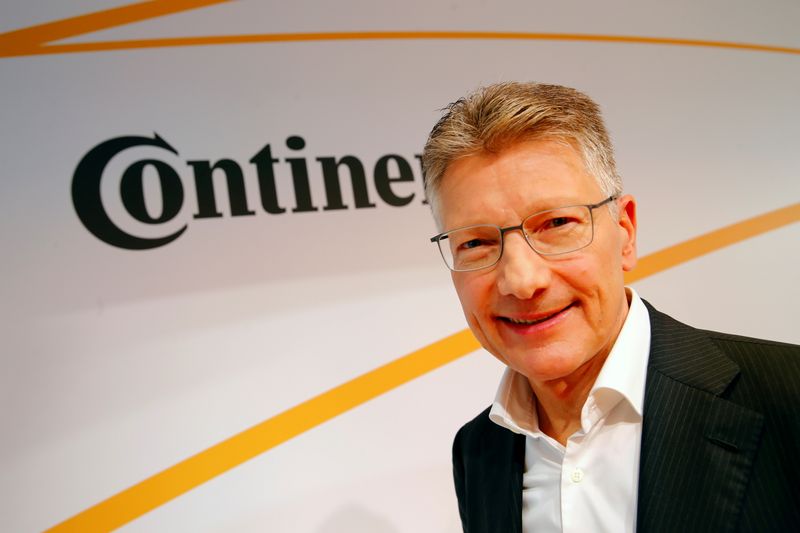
x=535, y=208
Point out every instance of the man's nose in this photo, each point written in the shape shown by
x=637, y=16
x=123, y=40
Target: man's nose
x=521, y=271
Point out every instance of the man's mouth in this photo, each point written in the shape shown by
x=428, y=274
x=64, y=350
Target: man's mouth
x=534, y=321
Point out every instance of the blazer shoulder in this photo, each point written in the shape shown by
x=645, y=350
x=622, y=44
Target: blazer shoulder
x=760, y=355
x=669, y=325
x=752, y=344
x=699, y=357
x=476, y=429
x=770, y=370
x=480, y=435
x=760, y=374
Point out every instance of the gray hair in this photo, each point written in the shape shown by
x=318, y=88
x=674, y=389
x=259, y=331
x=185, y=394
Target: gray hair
x=494, y=117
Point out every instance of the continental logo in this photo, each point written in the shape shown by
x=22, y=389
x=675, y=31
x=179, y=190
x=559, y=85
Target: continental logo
x=140, y=197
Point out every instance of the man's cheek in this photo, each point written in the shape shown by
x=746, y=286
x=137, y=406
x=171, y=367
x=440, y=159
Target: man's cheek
x=484, y=333
x=466, y=295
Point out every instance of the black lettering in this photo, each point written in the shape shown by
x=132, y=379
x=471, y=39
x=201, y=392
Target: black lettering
x=302, y=189
x=131, y=188
x=88, y=203
x=383, y=182
x=333, y=191
x=206, y=201
x=266, y=180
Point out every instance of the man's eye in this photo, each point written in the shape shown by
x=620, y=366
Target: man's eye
x=473, y=243
x=556, y=222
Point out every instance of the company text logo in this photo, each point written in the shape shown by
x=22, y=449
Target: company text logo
x=388, y=171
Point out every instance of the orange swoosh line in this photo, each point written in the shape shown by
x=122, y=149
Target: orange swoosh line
x=377, y=35
x=704, y=244
x=218, y=459
x=34, y=40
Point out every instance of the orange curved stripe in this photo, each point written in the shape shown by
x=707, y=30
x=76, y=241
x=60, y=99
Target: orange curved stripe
x=380, y=35
x=705, y=244
x=184, y=476
x=188, y=474
x=35, y=40
x=31, y=40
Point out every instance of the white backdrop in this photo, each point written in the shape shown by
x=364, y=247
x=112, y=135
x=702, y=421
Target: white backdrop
x=118, y=364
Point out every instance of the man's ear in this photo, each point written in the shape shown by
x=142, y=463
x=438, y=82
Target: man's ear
x=627, y=228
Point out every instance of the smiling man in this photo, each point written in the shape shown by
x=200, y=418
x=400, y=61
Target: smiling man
x=610, y=416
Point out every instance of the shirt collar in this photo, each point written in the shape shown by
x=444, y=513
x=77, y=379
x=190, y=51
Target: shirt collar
x=626, y=367
x=623, y=374
x=514, y=406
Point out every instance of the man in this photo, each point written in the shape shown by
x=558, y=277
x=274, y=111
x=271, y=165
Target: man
x=610, y=416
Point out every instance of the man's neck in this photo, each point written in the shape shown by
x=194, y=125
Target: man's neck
x=559, y=402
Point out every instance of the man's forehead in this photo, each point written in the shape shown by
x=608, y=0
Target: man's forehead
x=527, y=177
x=530, y=151
x=545, y=162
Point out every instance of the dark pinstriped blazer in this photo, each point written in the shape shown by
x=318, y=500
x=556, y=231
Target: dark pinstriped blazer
x=720, y=441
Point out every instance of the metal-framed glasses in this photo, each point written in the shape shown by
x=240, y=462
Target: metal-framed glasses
x=551, y=232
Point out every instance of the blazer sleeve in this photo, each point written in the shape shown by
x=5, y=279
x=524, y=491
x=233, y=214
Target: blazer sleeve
x=458, y=479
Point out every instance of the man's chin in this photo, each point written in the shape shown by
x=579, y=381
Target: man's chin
x=544, y=363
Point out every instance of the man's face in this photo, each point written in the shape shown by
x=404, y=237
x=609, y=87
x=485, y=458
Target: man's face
x=546, y=317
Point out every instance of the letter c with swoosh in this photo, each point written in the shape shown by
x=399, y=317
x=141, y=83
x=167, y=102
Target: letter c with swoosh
x=88, y=202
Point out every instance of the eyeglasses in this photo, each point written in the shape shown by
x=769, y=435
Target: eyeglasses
x=552, y=232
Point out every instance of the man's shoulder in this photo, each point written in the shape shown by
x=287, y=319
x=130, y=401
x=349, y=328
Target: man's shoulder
x=760, y=363
x=481, y=433
x=477, y=427
x=752, y=344
x=767, y=365
x=729, y=342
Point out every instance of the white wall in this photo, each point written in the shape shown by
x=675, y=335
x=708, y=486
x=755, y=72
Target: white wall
x=118, y=364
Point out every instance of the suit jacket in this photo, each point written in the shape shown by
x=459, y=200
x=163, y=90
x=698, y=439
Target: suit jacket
x=720, y=441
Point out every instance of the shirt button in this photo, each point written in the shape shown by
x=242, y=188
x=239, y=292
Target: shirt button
x=577, y=475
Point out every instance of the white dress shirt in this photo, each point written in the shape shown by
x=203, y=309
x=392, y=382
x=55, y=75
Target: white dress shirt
x=591, y=483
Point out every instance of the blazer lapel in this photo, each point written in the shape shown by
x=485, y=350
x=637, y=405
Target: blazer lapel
x=697, y=447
